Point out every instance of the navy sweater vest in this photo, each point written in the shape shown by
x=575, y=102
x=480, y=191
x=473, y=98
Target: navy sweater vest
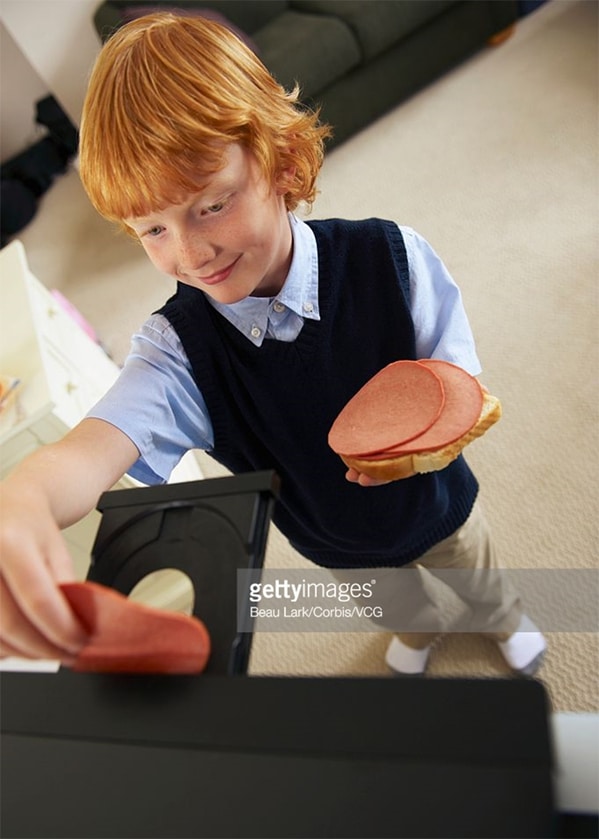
x=272, y=406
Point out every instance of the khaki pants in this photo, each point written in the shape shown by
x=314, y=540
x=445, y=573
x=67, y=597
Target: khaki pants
x=465, y=562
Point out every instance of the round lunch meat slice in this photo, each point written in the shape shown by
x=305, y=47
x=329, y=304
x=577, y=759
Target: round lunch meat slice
x=399, y=403
x=461, y=411
x=129, y=637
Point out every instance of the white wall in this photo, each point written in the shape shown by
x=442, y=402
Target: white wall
x=59, y=40
x=20, y=88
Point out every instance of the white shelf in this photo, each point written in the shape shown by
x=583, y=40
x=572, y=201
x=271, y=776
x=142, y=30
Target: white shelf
x=62, y=373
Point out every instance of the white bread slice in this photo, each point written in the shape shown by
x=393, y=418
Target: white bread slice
x=405, y=466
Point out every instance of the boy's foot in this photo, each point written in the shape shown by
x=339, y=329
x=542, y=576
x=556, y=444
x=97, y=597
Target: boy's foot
x=404, y=660
x=525, y=649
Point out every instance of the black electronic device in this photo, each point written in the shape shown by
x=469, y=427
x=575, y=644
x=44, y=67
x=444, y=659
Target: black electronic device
x=95, y=755
x=91, y=755
x=208, y=529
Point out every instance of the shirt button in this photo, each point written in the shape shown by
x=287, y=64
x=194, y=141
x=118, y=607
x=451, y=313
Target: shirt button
x=255, y=332
x=308, y=307
x=279, y=307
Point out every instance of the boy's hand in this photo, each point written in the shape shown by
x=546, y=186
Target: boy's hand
x=35, y=619
x=359, y=478
x=55, y=486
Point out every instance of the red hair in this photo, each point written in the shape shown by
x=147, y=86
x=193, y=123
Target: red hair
x=166, y=95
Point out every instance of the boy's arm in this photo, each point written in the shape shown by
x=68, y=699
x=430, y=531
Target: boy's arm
x=51, y=489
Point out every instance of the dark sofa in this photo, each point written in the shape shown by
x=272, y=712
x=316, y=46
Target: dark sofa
x=356, y=59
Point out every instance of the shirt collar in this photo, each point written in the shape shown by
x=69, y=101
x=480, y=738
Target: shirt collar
x=299, y=292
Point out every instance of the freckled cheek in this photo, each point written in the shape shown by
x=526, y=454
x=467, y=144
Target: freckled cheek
x=160, y=259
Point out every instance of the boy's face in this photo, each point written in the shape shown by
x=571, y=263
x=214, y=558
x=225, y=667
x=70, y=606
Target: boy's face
x=231, y=240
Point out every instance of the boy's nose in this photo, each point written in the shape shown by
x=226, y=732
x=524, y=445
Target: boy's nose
x=193, y=253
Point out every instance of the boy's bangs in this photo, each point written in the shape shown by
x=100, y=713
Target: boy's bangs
x=149, y=185
x=134, y=200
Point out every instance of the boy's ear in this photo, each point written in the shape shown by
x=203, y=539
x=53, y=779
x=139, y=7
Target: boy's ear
x=284, y=180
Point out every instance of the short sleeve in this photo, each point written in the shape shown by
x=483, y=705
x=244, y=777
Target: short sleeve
x=156, y=403
x=441, y=324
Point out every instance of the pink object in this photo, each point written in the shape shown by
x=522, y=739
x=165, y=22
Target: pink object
x=75, y=314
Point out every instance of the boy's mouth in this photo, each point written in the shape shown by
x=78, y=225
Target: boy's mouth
x=219, y=276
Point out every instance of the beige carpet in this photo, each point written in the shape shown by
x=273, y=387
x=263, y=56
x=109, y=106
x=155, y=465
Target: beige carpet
x=496, y=164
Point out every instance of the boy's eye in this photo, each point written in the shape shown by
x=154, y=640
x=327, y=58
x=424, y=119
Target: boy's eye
x=215, y=208
x=153, y=231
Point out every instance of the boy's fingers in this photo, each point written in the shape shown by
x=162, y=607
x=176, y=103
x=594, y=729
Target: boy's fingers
x=358, y=478
x=8, y=650
x=19, y=637
x=58, y=560
x=34, y=614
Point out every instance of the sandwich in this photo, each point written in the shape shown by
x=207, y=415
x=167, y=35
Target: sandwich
x=412, y=417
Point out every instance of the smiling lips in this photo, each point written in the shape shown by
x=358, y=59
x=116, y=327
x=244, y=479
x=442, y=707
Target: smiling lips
x=219, y=276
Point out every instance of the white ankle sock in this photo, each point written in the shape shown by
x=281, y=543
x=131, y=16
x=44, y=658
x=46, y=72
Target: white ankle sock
x=524, y=650
x=405, y=659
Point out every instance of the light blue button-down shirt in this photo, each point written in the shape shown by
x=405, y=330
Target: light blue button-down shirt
x=156, y=402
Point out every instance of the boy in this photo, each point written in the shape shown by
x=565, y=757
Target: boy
x=190, y=145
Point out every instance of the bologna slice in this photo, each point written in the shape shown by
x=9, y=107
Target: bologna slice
x=401, y=402
x=461, y=411
x=129, y=637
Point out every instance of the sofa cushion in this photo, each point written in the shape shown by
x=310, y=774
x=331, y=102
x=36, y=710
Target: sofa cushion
x=247, y=16
x=377, y=24
x=313, y=50
x=137, y=10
